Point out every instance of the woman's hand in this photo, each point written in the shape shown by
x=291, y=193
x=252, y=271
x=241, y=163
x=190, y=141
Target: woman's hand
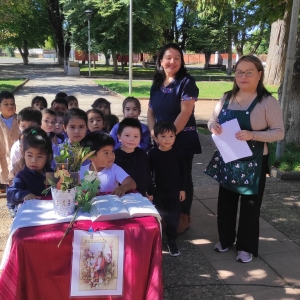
x=244, y=135
x=181, y=196
x=216, y=128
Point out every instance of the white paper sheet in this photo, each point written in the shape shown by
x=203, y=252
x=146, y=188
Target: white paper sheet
x=229, y=147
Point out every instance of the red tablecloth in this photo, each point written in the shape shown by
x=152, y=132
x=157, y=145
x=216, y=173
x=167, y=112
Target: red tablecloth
x=38, y=270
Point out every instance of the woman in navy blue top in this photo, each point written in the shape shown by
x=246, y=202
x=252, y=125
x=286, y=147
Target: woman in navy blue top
x=172, y=98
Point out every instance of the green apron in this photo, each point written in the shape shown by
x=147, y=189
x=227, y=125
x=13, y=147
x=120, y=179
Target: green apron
x=241, y=176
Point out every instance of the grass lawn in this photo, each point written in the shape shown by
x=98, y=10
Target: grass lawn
x=9, y=85
x=141, y=89
x=139, y=72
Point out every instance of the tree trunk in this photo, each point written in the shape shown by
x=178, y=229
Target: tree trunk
x=115, y=63
x=24, y=53
x=229, y=50
x=207, y=56
x=277, y=50
x=292, y=130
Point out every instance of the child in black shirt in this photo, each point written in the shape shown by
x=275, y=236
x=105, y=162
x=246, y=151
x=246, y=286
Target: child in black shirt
x=168, y=168
x=132, y=159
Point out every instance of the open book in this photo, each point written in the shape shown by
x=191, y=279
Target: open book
x=111, y=207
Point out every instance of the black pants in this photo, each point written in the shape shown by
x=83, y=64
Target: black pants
x=168, y=207
x=187, y=203
x=248, y=228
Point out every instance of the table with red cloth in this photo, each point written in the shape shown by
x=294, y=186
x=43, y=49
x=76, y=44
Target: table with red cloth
x=37, y=269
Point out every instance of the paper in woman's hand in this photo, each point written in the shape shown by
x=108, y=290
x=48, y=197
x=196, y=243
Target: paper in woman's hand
x=228, y=145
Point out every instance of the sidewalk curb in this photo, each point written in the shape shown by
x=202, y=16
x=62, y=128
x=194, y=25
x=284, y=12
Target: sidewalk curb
x=285, y=175
x=20, y=85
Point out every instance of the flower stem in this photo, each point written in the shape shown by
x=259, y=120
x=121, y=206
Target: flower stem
x=69, y=227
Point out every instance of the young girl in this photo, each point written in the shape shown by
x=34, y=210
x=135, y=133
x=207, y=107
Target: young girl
x=75, y=126
x=72, y=102
x=39, y=102
x=30, y=182
x=103, y=105
x=132, y=109
x=95, y=120
x=110, y=121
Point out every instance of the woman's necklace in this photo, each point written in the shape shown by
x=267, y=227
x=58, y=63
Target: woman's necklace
x=237, y=102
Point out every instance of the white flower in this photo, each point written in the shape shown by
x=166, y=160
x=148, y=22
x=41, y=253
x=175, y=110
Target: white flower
x=237, y=165
x=233, y=181
x=215, y=177
x=243, y=175
x=215, y=166
x=250, y=165
x=246, y=182
x=217, y=159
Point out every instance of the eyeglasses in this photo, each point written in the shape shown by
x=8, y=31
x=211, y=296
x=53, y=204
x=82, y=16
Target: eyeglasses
x=248, y=73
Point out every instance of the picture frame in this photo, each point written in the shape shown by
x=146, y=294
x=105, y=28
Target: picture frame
x=97, y=263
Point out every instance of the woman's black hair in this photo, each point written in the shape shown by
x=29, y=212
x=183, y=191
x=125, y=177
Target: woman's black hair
x=164, y=126
x=75, y=113
x=260, y=89
x=99, y=101
x=35, y=137
x=95, y=111
x=159, y=75
x=39, y=99
x=97, y=140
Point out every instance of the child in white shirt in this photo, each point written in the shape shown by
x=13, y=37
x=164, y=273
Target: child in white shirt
x=113, y=179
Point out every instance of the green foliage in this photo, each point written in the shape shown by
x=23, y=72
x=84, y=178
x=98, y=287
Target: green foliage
x=50, y=43
x=88, y=189
x=291, y=159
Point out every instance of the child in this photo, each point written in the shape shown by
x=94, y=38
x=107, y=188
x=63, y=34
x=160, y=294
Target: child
x=95, y=120
x=27, y=117
x=59, y=128
x=72, y=101
x=132, y=159
x=30, y=182
x=39, y=102
x=59, y=104
x=168, y=167
x=110, y=121
x=61, y=95
x=9, y=131
x=48, y=121
x=110, y=175
x=103, y=105
x=132, y=109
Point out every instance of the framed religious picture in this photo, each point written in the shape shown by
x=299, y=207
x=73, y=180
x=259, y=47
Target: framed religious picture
x=97, y=263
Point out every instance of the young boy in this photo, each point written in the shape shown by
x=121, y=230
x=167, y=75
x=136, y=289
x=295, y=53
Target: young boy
x=132, y=109
x=109, y=174
x=27, y=117
x=59, y=128
x=132, y=159
x=168, y=167
x=9, y=133
x=59, y=104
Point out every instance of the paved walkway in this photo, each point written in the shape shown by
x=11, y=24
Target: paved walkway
x=199, y=272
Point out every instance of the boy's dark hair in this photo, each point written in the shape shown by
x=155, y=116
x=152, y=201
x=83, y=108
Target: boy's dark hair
x=99, y=101
x=61, y=95
x=75, y=113
x=110, y=122
x=129, y=122
x=59, y=113
x=164, y=126
x=38, y=99
x=95, y=111
x=30, y=114
x=131, y=99
x=35, y=137
x=48, y=111
x=97, y=140
x=60, y=101
x=6, y=95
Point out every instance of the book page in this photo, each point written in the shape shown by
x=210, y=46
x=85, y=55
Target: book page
x=139, y=206
x=108, y=207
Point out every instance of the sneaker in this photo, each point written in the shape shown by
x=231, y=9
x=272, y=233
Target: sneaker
x=12, y=212
x=173, y=249
x=218, y=247
x=244, y=257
